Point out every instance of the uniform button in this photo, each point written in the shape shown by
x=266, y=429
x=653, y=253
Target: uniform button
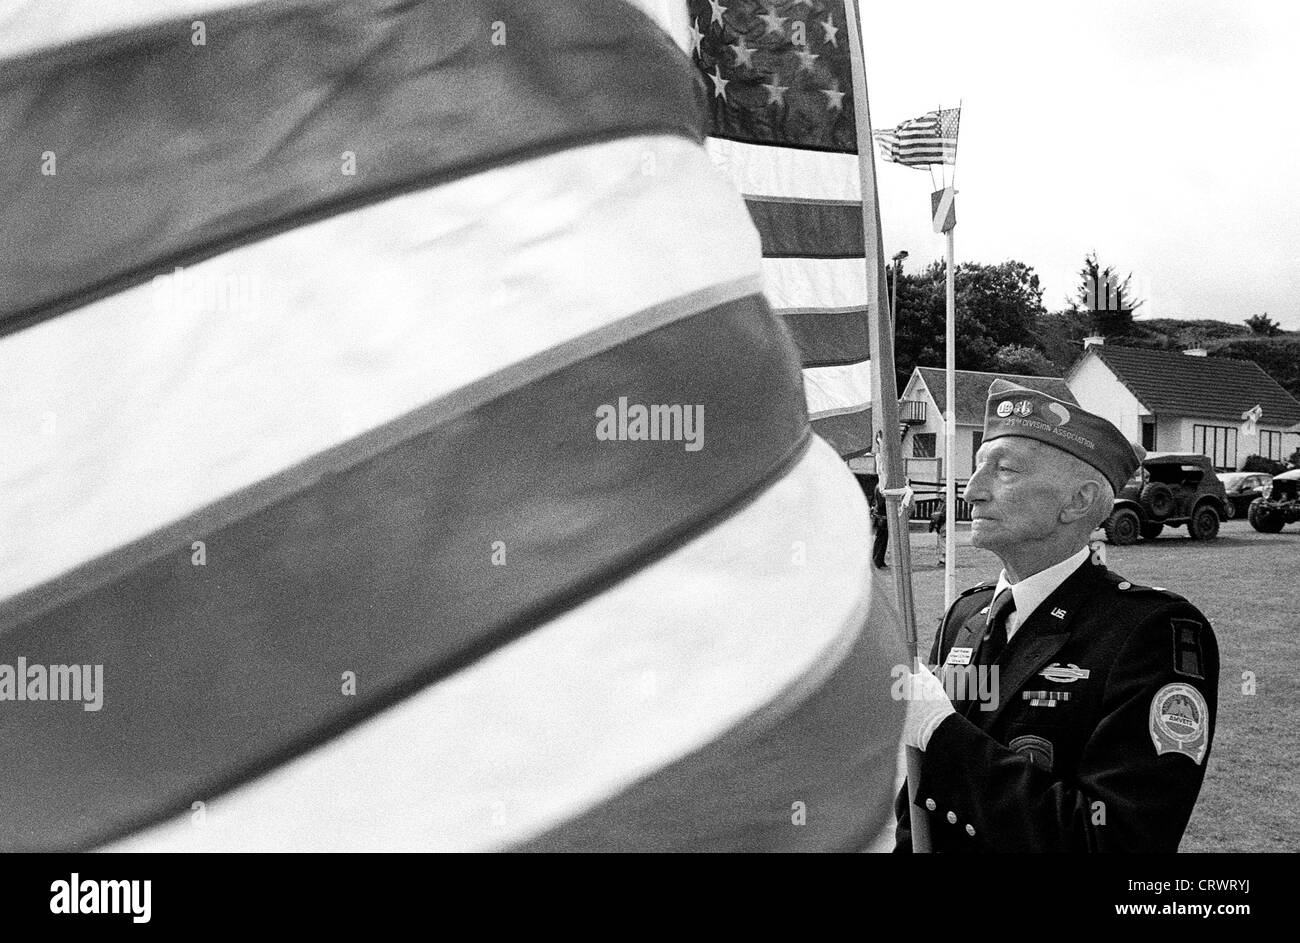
x=929, y=804
x=952, y=818
x=1126, y=585
x=970, y=830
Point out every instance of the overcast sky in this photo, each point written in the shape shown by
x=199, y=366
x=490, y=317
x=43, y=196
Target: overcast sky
x=1162, y=134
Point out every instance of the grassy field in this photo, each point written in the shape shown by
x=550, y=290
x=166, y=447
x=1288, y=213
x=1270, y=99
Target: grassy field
x=1248, y=585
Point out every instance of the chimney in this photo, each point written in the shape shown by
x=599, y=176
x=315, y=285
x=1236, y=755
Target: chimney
x=1196, y=352
x=1093, y=340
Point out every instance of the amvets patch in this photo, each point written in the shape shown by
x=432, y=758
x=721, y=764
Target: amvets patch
x=1180, y=721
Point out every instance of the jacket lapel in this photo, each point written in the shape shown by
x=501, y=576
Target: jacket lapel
x=1044, y=634
x=968, y=636
x=972, y=633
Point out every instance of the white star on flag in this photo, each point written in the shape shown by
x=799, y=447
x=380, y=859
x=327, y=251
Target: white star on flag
x=806, y=58
x=696, y=37
x=834, y=99
x=744, y=55
x=719, y=84
x=718, y=10
x=775, y=92
x=831, y=30
x=774, y=22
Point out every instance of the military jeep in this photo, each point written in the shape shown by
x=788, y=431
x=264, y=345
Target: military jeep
x=1278, y=505
x=1169, y=490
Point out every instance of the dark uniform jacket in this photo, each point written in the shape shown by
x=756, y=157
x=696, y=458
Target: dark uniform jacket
x=1098, y=741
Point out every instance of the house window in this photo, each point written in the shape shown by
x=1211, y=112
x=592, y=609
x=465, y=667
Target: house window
x=1270, y=444
x=923, y=445
x=1149, y=434
x=1219, y=443
x=976, y=440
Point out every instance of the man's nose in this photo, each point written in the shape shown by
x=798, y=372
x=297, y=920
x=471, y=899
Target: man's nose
x=975, y=491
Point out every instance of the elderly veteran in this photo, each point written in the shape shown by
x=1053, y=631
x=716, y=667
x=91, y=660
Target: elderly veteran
x=1076, y=709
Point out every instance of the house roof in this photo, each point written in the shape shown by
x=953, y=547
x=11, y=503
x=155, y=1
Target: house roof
x=972, y=388
x=1174, y=384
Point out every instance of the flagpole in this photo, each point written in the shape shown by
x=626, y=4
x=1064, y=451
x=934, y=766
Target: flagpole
x=950, y=437
x=950, y=381
x=884, y=391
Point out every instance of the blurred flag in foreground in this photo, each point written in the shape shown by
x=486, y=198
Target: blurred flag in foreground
x=921, y=142
x=777, y=77
x=397, y=450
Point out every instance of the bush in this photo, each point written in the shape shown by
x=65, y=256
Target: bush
x=1258, y=463
x=1025, y=361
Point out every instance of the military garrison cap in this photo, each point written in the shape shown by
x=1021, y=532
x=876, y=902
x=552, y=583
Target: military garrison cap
x=1015, y=410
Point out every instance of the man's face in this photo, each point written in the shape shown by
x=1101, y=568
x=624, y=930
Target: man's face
x=1016, y=494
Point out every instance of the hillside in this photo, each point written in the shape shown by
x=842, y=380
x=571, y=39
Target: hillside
x=1060, y=336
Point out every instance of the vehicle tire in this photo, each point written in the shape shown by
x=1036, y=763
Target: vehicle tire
x=1229, y=509
x=1204, y=524
x=1123, y=527
x=1152, y=530
x=1157, y=499
x=1264, y=520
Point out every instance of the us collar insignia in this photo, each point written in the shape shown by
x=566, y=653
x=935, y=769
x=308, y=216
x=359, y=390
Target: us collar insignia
x=1066, y=675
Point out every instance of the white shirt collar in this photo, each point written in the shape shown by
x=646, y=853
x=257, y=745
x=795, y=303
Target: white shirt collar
x=1032, y=591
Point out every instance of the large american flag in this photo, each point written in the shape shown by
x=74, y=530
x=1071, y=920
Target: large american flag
x=777, y=76
x=921, y=142
x=299, y=448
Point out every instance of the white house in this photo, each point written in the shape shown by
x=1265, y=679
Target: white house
x=922, y=408
x=1170, y=401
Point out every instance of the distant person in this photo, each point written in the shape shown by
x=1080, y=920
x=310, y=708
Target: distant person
x=880, y=522
x=939, y=527
x=879, y=507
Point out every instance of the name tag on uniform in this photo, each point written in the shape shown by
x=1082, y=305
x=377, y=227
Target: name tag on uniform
x=958, y=656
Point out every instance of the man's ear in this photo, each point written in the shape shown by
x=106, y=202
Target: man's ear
x=1081, y=503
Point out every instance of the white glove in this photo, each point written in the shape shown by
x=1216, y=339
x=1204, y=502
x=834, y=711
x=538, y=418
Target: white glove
x=905, y=496
x=927, y=706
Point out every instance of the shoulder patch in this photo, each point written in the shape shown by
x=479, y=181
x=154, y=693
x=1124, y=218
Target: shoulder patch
x=1035, y=749
x=1180, y=722
x=1188, y=659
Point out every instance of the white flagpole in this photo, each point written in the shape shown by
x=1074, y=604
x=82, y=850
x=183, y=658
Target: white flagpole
x=950, y=381
x=884, y=391
x=950, y=437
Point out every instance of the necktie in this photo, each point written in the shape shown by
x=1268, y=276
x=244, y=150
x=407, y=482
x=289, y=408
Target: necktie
x=995, y=636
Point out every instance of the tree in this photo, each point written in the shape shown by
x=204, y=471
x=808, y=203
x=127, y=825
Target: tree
x=1107, y=297
x=1263, y=325
x=1060, y=336
x=997, y=306
x=1279, y=357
